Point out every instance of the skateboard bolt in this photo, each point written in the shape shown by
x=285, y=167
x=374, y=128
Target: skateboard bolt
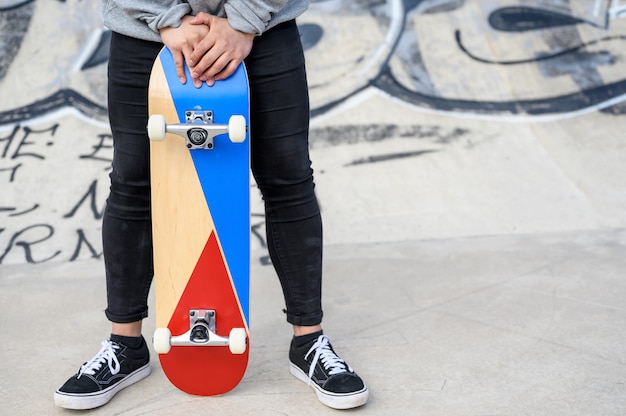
x=197, y=136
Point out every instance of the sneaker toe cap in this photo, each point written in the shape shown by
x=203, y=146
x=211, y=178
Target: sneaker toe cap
x=80, y=385
x=344, y=383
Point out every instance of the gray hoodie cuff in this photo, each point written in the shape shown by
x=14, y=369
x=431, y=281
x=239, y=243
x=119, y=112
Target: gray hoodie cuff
x=170, y=18
x=242, y=18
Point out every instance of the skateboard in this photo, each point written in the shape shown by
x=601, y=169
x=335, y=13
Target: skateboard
x=200, y=180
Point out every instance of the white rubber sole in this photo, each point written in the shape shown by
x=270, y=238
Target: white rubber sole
x=91, y=401
x=339, y=401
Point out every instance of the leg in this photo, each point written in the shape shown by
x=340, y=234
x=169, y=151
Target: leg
x=124, y=359
x=127, y=235
x=282, y=169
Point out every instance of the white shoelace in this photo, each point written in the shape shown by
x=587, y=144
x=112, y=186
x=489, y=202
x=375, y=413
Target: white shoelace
x=331, y=362
x=106, y=354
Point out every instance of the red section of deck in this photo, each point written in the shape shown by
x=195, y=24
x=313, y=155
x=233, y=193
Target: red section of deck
x=206, y=371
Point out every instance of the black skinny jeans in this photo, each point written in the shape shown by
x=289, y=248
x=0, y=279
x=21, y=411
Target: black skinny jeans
x=280, y=165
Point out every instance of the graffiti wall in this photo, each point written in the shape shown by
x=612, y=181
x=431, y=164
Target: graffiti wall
x=492, y=60
x=501, y=58
x=55, y=145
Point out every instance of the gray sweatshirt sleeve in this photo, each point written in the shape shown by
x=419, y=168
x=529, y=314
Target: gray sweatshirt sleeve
x=253, y=16
x=144, y=18
x=131, y=16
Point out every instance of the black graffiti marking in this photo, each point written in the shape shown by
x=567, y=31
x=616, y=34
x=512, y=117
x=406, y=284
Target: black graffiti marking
x=16, y=147
x=20, y=239
x=323, y=109
x=101, y=146
x=352, y=134
x=14, y=21
x=582, y=67
x=18, y=213
x=552, y=105
x=27, y=133
x=310, y=35
x=24, y=142
x=58, y=100
x=9, y=140
x=538, y=58
x=389, y=157
x=82, y=240
x=16, y=5
x=92, y=197
x=13, y=171
x=522, y=19
x=265, y=260
x=101, y=54
x=256, y=231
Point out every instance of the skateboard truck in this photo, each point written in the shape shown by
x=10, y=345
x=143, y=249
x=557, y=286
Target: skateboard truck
x=198, y=129
x=201, y=334
x=202, y=325
x=199, y=137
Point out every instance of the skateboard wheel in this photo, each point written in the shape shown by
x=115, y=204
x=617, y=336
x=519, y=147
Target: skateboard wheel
x=238, y=340
x=156, y=128
x=237, y=129
x=161, y=340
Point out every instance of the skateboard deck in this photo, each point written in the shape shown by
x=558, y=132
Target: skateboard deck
x=200, y=180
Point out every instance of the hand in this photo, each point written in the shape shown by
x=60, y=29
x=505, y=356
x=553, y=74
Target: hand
x=181, y=41
x=217, y=56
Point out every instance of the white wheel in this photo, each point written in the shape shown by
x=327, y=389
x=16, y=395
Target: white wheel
x=237, y=129
x=238, y=341
x=156, y=128
x=161, y=340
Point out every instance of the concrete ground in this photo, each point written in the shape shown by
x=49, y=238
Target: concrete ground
x=506, y=325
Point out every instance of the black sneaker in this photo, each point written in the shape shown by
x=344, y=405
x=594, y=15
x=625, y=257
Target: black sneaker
x=335, y=383
x=115, y=367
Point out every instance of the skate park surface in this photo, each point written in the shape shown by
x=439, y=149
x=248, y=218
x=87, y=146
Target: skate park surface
x=472, y=181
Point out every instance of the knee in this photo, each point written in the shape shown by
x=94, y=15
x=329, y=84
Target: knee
x=129, y=201
x=290, y=200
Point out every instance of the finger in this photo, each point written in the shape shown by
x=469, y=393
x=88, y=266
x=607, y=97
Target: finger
x=228, y=71
x=215, y=68
x=197, y=82
x=200, y=50
x=201, y=19
x=209, y=65
x=221, y=69
x=187, y=50
x=179, y=63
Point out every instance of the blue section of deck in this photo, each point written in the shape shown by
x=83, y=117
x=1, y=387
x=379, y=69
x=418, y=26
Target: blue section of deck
x=224, y=171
